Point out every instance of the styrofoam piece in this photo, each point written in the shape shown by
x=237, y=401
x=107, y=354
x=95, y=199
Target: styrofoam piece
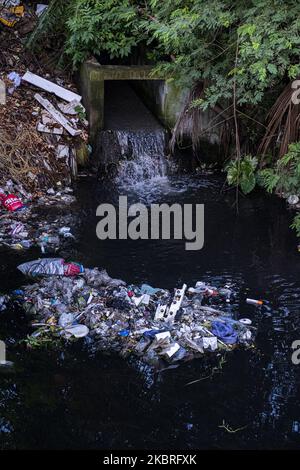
x=170, y=350
x=137, y=300
x=176, y=303
x=160, y=312
x=69, y=108
x=46, y=85
x=57, y=115
x=162, y=336
x=146, y=299
x=210, y=342
x=79, y=331
x=49, y=130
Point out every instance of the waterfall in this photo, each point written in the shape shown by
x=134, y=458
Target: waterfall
x=132, y=146
x=143, y=156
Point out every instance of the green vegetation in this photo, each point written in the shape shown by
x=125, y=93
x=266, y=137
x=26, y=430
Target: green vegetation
x=91, y=27
x=251, y=45
x=281, y=178
x=102, y=26
x=237, y=57
x=296, y=225
x=241, y=172
x=284, y=177
x=46, y=339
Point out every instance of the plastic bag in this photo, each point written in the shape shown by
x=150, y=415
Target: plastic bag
x=50, y=267
x=43, y=267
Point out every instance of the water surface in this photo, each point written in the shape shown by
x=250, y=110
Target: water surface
x=73, y=400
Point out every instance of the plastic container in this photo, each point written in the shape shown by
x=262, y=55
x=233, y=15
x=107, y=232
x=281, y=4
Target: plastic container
x=254, y=302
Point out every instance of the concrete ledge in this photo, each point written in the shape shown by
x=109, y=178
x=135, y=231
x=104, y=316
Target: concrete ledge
x=120, y=72
x=92, y=78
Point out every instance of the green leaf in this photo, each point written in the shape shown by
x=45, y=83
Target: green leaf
x=248, y=184
x=272, y=68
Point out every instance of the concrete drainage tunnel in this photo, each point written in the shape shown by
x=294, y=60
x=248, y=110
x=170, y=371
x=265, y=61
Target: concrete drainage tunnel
x=133, y=143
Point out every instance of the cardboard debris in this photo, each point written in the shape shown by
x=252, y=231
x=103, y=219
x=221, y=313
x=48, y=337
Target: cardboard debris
x=51, y=87
x=57, y=115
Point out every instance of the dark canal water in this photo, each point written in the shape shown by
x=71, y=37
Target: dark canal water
x=74, y=400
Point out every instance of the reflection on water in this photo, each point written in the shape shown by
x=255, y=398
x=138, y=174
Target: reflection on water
x=72, y=400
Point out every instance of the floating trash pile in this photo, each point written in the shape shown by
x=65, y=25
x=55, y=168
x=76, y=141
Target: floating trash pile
x=23, y=227
x=69, y=301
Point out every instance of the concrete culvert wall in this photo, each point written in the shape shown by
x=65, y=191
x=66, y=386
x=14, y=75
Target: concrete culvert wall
x=165, y=99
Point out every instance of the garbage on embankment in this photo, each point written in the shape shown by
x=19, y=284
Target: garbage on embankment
x=11, y=12
x=38, y=143
x=21, y=15
x=38, y=147
x=42, y=120
x=68, y=301
x=21, y=224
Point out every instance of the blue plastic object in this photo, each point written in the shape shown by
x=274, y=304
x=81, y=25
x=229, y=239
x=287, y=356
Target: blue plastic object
x=224, y=331
x=124, y=333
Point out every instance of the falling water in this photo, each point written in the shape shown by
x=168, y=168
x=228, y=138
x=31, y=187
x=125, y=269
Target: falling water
x=143, y=156
x=134, y=144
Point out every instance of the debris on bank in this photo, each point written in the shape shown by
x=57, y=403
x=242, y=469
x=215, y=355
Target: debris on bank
x=43, y=133
x=68, y=301
x=42, y=121
x=22, y=218
x=38, y=142
x=11, y=12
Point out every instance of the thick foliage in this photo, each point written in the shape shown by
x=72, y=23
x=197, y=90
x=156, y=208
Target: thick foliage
x=96, y=26
x=296, y=225
x=254, y=44
x=285, y=176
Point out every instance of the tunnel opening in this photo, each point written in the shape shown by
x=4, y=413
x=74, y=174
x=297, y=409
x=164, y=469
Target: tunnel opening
x=133, y=144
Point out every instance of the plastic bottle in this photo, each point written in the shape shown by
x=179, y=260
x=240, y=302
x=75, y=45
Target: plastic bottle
x=11, y=202
x=52, y=240
x=26, y=243
x=254, y=302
